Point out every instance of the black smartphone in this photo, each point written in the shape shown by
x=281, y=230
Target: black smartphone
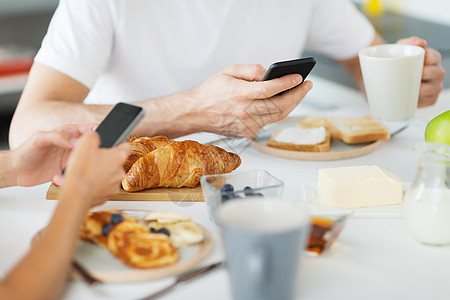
x=119, y=124
x=302, y=66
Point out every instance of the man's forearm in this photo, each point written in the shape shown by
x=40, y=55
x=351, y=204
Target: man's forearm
x=50, y=114
x=170, y=116
x=45, y=106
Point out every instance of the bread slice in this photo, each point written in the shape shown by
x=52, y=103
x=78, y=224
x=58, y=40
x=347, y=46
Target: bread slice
x=317, y=121
x=319, y=147
x=355, y=130
x=313, y=121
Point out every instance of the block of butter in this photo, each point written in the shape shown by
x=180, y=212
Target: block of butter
x=359, y=186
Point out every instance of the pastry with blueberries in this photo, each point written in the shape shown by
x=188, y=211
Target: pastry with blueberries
x=129, y=240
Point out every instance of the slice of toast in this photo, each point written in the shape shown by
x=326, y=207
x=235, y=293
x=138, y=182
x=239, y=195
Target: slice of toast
x=319, y=147
x=355, y=130
x=313, y=121
x=317, y=121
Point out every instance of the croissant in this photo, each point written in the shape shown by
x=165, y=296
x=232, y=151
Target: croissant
x=143, y=145
x=128, y=240
x=178, y=164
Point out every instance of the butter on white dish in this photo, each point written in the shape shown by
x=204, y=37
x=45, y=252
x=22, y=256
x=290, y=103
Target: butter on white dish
x=307, y=139
x=359, y=186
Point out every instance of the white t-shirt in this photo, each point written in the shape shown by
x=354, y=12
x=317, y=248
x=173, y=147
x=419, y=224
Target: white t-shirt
x=132, y=50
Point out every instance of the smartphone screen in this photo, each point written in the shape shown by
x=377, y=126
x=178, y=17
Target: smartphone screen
x=302, y=66
x=119, y=123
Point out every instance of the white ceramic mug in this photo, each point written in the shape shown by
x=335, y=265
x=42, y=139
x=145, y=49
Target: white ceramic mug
x=392, y=74
x=264, y=241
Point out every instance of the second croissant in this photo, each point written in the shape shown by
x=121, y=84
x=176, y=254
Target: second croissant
x=178, y=164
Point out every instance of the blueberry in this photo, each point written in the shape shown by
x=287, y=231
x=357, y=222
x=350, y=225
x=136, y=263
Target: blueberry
x=164, y=230
x=106, y=228
x=234, y=196
x=225, y=198
x=248, y=191
x=153, y=230
x=116, y=219
x=226, y=188
x=255, y=195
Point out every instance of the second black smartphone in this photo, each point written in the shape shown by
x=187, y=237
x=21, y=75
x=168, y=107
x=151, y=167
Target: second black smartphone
x=302, y=66
x=119, y=124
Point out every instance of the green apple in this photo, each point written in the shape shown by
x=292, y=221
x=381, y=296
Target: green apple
x=438, y=129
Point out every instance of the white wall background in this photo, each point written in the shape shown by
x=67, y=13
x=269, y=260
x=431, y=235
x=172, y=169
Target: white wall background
x=432, y=10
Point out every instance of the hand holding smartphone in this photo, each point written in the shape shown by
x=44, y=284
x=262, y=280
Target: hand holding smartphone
x=119, y=124
x=302, y=66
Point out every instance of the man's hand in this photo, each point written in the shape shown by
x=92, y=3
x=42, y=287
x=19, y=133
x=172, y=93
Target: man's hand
x=235, y=102
x=45, y=154
x=433, y=73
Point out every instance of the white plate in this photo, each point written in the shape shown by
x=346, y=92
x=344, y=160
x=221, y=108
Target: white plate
x=317, y=206
x=104, y=266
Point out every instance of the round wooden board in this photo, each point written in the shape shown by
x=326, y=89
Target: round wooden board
x=339, y=150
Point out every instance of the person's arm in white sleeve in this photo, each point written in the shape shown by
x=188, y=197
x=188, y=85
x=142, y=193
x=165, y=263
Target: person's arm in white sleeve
x=233, y=102
x=229, y=103
x=78, y=51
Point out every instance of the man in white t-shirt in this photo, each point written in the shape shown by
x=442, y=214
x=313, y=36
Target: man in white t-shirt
x=194, y=65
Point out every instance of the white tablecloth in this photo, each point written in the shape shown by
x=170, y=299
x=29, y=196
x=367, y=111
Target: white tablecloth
x=374, y=258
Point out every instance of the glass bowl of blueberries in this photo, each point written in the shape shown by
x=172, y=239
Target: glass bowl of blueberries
x=220, y=188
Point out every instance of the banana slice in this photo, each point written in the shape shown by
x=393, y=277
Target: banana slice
x=185, y=233
x=165, y=217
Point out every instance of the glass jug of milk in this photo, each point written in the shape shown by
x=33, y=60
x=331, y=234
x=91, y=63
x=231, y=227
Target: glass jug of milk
x=427, y=201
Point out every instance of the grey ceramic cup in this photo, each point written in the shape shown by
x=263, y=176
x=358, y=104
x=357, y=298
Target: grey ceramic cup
x=264, y=241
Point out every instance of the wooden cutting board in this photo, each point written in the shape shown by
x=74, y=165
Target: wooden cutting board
x=156, y=194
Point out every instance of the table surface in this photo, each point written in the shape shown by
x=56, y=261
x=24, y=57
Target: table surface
x=373, y=258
